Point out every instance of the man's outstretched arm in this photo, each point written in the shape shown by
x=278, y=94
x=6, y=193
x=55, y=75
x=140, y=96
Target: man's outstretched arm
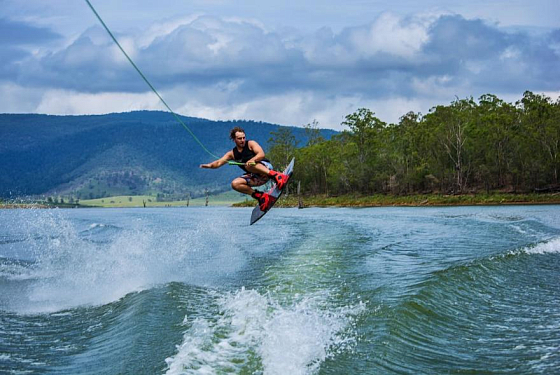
x=218, y=163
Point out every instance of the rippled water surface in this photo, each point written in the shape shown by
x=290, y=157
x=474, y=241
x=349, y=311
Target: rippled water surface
x=315, y=291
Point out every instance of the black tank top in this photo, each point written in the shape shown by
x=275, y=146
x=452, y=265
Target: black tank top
x=244, y=156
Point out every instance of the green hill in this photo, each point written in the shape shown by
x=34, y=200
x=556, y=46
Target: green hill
x=136, y=153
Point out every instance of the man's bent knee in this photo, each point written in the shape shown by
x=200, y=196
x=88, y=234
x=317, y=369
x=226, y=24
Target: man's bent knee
x=238, y=184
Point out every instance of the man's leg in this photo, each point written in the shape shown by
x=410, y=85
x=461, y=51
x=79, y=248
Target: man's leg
x=241, y=185
x=261, y=169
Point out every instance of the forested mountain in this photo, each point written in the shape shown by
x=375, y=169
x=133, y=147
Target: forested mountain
x=144, y=152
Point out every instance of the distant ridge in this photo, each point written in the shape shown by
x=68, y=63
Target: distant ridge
x=133, y=153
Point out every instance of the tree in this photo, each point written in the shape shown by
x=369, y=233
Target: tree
x=313, y=133
x=364, y=129
x=540, y=120
x=497, y=151
x=451, y=124
x=403, y=153
x=282, y=146
x=314, y=166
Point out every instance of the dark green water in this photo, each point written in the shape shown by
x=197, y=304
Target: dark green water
x=466, y=290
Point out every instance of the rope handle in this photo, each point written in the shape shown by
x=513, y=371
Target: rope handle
x=230, y=162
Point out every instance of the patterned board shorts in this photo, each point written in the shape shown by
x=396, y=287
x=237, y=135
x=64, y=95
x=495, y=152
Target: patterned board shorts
x=254, y=179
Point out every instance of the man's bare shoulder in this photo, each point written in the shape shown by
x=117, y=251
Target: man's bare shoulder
x=252, y=144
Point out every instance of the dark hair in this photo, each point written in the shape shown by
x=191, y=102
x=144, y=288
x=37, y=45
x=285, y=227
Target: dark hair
x=235, y=130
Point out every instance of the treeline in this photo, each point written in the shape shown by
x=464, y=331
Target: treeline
x=464, y=147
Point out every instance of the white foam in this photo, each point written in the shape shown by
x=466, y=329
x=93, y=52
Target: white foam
x=15, y=272
x=519, y=229
x=96, y=225
x=297, y=340
x=549, y=247
x=70, y=270
x=294, y=339
x=73, y=272
x=208, y=346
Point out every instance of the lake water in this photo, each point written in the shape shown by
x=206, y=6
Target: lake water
x=464, y=290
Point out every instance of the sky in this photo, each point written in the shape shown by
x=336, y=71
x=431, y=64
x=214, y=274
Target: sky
x=290, y=62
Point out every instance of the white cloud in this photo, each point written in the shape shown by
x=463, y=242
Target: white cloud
x=510, y=53
x=235, y=67
x=390, y=34
x=17, y=99
x=300, y=108
x=163, y=28
x=74, y=103
x=554, y=95
x=129, y=46
x=434, y=86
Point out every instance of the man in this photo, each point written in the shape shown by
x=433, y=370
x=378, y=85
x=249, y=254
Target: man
x=258, y=169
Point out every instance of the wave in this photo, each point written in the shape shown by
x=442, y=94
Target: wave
x=465, y=314
x=72, y=266
x=255, y=333
x=549, y=247
x=488, y=267
x=292, y=322
x=100, y=229
x=95, y=339
x=240, y=332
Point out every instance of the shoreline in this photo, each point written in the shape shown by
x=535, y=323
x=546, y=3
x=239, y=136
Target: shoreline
x=421, y=200
x=428, y=200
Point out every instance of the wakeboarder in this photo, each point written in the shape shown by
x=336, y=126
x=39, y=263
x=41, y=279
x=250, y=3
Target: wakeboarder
x=258, y=170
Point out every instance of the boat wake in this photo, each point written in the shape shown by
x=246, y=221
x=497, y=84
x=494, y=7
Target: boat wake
x=255, y=333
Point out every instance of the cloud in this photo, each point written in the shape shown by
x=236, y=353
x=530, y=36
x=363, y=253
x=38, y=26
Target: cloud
x=454, y=37
x=71, y=102
x=18, y=99
x=224, y=68
x=389, y=35
x=9, y=56
x=209, y=50
x=17, y=41
x=14, y=33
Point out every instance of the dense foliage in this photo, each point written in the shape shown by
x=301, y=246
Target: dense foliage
x=466, y=146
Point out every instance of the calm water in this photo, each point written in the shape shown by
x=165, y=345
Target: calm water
x=464, y=290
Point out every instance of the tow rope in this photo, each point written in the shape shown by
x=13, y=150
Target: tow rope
x=153, y=89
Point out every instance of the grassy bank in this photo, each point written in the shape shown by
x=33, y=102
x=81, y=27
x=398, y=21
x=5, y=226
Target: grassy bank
x=414, y=200
x=224, y=199
x=237, y=200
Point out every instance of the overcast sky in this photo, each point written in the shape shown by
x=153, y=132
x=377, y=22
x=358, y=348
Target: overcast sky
x=288, y=62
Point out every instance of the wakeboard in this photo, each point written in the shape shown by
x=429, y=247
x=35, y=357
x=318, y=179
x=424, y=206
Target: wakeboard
x=275, y=193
